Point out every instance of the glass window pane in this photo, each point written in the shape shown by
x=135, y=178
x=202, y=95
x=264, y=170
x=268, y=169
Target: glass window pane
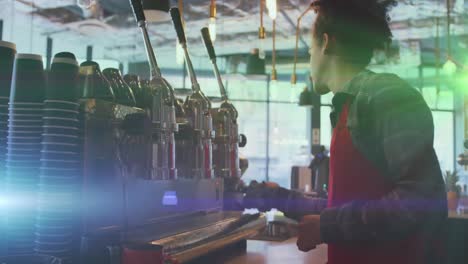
x=443, y=139
x=242, y=89
x=289, y=143
x=252, y=123
x=209, y=86
x=285, y=92
x=326, y=98
x=443, y=100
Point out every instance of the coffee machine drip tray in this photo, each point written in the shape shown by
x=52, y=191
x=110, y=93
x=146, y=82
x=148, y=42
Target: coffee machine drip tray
x=189, y=245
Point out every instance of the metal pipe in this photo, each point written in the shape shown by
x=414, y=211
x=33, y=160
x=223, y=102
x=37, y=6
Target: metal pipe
x=89, y=53
x=448, y=30
x=298, y=28
x=154, y=68
x=191, y=70
x=198, y=108
x=48, y=52
x=274, y=76
x=162, y=109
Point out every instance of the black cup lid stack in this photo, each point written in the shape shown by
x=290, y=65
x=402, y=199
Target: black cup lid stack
x=123, y=93
x=134, y=82
x=92, y=83
x=63, y=78
x=7, y=58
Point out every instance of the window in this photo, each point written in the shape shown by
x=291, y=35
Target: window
x=288, y=144
x=443, y=139
x=276, y=129
x=252, y=123
x=271, y=153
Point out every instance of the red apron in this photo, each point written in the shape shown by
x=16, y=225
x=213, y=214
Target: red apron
x=353, y=177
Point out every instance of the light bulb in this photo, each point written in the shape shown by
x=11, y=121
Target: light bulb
x=272, y=9
x=261, y=49
x=212, y=28
x=274, y=84
x=449, y=68
x=180, y=59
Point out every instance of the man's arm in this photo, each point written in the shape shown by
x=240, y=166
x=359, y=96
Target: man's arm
x=294, y=204
x=404, y=129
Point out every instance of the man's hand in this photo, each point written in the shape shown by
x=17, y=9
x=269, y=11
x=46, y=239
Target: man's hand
x=309, y=233
x=265, y=196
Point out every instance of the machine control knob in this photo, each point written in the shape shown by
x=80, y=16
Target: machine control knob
x=242, y=140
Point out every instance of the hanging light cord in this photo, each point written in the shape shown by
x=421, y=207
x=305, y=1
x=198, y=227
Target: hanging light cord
x=261, y=32
x=448, y=30
x=298, y=29
x=449, y=41
x=213, y=9
x=181, y=9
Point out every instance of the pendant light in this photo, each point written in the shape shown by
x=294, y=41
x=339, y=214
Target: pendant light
x=261, y=32
x=313, y=5
x=212, y=24
x=272, y=7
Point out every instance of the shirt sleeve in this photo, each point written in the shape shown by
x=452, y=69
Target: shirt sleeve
x=298, y=205
x=405, y=132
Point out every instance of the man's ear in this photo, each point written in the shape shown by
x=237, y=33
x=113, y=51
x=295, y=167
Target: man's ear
x=328, y=44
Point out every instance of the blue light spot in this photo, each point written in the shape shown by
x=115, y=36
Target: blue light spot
x=170, y=198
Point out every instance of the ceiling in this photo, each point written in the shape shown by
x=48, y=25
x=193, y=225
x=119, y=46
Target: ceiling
x=111, y=28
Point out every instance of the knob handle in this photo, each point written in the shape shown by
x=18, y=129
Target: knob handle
x=179, y=28
x=138, y=10
x=208, y=43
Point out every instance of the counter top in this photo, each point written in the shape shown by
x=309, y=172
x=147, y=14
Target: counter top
x=455, y=215
x=266, y=252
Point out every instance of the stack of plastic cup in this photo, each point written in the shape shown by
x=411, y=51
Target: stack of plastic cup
x=60, y=161
x=23, y=151
x=7, y=58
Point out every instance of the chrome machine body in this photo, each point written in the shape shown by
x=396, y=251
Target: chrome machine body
x=198, y=111
x=162, y=110
x=130, y=188
x=226, y=142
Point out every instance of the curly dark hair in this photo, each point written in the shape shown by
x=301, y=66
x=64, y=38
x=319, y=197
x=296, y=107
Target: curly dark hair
x=358, y=26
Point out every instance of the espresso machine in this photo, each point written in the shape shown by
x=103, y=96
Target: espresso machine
x=133, y=193
x=127, y=180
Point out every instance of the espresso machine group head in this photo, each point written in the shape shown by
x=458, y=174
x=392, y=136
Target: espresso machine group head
x=198, y=111
x=162, y=109
x=227, y=140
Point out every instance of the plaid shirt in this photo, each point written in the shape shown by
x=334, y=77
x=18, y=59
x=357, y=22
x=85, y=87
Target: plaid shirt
x=392, y=126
